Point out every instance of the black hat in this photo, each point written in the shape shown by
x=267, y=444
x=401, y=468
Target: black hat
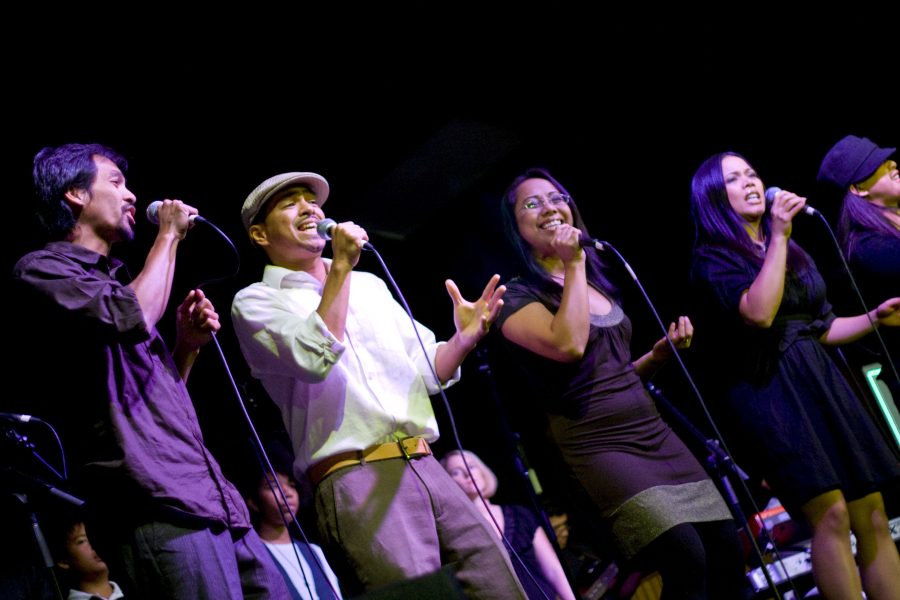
x=852, y=160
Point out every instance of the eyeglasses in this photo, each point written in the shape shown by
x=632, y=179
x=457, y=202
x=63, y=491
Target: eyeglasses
x=554, y=200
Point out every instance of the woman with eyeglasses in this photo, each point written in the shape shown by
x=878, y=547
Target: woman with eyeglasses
x=564, y=333
x=792, y=416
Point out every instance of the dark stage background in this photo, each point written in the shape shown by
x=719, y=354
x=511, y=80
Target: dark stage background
x=418, y=131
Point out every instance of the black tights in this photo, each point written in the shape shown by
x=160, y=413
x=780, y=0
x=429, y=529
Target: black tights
x=698, y=561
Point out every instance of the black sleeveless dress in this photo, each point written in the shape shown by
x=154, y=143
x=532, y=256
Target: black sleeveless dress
x=636, y=470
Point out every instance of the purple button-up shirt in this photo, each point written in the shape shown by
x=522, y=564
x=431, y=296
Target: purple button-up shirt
x=113, y=389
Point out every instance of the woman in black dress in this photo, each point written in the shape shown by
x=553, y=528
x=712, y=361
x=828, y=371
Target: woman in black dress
x=785, y=402
x=567, y=337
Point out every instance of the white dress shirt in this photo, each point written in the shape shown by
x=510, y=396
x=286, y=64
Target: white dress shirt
x=336, y=396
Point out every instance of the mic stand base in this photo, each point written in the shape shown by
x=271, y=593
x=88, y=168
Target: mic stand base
x=41, y=542
x=720, y=463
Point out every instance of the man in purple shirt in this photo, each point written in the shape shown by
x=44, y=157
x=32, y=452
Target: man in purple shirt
x=118, y=396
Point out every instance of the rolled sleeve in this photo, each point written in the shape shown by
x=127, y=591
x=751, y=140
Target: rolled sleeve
x=272, y=327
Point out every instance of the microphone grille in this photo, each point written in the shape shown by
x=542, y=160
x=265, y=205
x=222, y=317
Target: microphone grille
x=152, y=210
x=323, y=228
x=770, y=194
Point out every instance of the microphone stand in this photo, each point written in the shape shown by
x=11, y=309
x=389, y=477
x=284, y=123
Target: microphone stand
x=46, y=557
x=718, y=460
x=720, y=463
x=512, y=441
x=17, y=480
x=718, y=453
x=22, y=441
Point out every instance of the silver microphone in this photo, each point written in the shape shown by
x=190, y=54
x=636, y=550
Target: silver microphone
x=770, y=198
x=326, y=226
x=153, y=213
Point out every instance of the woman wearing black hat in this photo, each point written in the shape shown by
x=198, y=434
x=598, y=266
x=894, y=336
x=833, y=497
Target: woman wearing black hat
x=869, y=229
x=870, y=214
x=783, y=402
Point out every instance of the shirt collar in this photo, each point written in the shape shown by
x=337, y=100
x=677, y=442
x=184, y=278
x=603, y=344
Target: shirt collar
x=86, y=257
x=280, y=277
x=79, y=595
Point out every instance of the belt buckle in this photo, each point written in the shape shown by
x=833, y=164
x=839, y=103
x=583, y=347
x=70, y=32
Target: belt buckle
x=403, y=449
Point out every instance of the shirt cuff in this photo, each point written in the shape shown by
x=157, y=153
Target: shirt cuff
x=332, y=348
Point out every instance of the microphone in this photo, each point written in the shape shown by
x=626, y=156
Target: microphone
x=19, y=418
x=586, y=242
x=770, y=198
x=326, y=226
x=153, y=213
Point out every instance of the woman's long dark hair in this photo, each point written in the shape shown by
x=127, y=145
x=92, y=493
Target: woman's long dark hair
x=859, y=216
x=716, y=223
x=532, y=269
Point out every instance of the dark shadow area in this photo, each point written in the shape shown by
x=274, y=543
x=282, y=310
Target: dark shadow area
x=419, y=133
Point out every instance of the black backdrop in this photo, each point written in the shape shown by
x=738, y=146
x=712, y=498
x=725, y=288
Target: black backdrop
x=418, y=129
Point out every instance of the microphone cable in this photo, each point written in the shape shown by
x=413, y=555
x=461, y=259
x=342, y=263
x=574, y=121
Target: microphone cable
x=604, y=245
x=272, y=477
x=268, y=470
x=453, y=427
x=809, y=210
x=866, y=310
x=234, y=253
x=24, y=442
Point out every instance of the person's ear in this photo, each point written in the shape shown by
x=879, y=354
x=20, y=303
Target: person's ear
x=63, y=564
x=76, y=200
x=858, y=191
x=77, y=197
x=258, y=234
x=251, y=504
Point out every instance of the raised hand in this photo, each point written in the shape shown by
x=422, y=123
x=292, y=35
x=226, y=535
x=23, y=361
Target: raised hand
x=680, y=333
x=196, y=321
x=784, y=208
x=473, y=319
x=567, y=243
x=347, y=241
x=888, y=312
x=175, y=216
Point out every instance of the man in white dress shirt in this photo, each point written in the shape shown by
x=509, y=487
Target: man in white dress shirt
x=339, y=357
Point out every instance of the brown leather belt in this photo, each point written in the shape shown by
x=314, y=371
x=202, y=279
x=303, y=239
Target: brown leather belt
x=407, y=448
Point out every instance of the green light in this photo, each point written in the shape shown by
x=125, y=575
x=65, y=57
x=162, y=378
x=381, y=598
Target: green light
x=884, y=399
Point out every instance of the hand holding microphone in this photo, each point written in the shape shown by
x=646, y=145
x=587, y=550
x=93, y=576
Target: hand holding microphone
x=153, y=211
x=178, y=216
x=783, y=206
x=326, y=228
x=770, y=199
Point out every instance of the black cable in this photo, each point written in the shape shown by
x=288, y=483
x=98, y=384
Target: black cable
x=234, y=250
x=887, y=355
x=24, y=442
x=519, y=462
x=453, y=427
x=268, y=469
x=602, y=246
x=262, y=456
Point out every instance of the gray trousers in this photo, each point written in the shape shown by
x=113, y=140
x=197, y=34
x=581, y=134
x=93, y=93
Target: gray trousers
x=168, y=561
x=395, y=520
